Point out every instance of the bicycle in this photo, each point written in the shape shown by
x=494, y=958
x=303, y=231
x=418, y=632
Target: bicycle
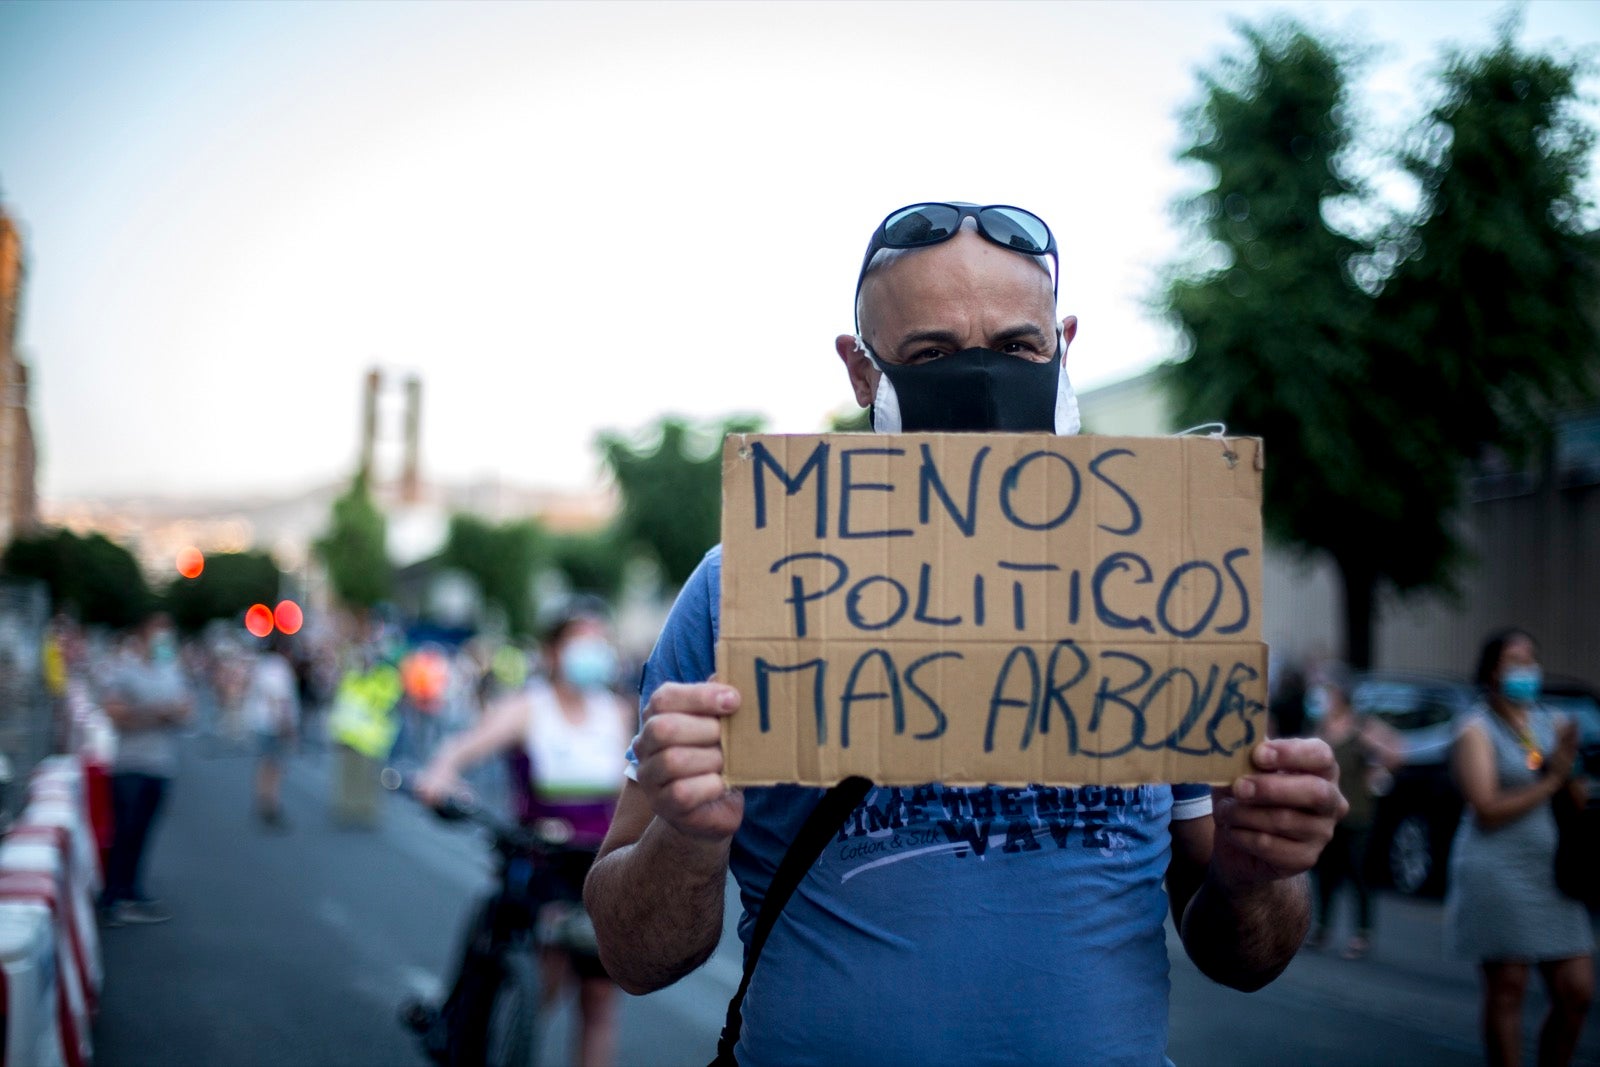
x=490, y=1016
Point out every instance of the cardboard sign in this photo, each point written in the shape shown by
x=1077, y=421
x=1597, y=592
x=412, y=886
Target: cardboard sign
x=991, y=608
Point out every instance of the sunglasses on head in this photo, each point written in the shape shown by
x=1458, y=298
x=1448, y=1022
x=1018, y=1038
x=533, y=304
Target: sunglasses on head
x=927, y=224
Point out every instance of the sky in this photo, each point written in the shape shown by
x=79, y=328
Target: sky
x=571, y=218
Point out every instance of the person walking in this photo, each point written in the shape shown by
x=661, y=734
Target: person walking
x=1361, y=745
x=1502, y=907
x=272, y=709
x=147, y=699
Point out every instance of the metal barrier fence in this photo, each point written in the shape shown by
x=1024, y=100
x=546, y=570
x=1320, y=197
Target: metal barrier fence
x=27, y=720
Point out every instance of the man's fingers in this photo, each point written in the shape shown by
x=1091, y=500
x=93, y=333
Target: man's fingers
x=680, y=762
x=1285, y=855
x=1304, y=792
x=1287, y=823
x=675, y=729
x=701, y=698
x=686, y=794
x=1296, y=755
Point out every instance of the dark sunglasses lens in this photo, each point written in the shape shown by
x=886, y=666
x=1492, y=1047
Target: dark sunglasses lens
x=921, y=224
x=1015, y=228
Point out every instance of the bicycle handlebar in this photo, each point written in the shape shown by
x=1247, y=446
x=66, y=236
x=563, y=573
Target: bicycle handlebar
x=545, y=836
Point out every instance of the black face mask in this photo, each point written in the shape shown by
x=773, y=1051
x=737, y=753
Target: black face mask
x=975, y=390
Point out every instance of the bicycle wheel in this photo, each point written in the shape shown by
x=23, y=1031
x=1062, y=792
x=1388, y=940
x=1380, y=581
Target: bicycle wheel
x=510, y=1031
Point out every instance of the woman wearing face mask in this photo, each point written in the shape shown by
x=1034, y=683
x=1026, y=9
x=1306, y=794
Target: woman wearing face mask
x=1503, y=908
x=1364, y=747
x=574, y=732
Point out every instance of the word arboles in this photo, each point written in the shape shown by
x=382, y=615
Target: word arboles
x=991, y=608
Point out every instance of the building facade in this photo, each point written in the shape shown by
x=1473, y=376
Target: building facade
x=19, y=498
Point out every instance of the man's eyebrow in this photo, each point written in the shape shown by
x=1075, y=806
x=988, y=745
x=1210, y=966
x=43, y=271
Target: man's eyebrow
x=938, y=337
x=1026, y=331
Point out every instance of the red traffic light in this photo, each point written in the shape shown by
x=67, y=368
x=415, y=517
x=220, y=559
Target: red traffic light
x=191, y=561
x=258, y=620
x=288, y=617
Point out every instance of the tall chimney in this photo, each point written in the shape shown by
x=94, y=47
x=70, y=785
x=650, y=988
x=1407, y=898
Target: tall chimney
x=369, y=422
x=411, y=474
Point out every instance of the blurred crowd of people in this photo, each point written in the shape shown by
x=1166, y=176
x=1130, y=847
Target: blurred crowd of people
x=368, y=695
x=537, y=730
x=1513, y=765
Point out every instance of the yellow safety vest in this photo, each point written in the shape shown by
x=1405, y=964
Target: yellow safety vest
x=363, y=711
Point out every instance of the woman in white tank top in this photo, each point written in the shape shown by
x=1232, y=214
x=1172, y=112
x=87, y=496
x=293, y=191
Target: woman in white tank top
x=576, y=732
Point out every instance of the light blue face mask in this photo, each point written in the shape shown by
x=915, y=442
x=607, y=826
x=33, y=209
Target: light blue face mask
x=163, y=648
x=1316, y=705
x=589, y=663
x=1521, y=685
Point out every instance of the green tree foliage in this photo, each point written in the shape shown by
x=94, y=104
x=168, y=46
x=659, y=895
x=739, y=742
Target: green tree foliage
x=1374, y=393
x=1276, y=324
x=230, y=583
x=501, y=559
x=592, y=562
x=1494, y=310
x=851, y=420
x=671, y=488
x=354, y=549
x=94, y=578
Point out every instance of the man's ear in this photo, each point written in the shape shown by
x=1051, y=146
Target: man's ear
x=863, y=375
x=1069, y=330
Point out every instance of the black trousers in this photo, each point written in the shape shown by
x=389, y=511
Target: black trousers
x=1344, y=860
x=136, y=800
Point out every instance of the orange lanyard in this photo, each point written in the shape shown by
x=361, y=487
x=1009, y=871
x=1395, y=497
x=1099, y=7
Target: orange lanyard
x=1535, y=758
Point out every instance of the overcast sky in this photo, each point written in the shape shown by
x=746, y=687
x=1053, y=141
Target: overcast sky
x=567, y=218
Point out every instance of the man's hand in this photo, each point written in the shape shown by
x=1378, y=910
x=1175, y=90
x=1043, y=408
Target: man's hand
x=680, y=760
x=1273, y=823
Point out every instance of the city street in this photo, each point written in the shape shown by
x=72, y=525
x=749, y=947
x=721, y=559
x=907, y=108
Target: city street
x=297, y=948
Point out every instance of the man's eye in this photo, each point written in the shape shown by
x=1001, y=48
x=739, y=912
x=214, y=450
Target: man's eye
x=1018, y=348
x=923, y=355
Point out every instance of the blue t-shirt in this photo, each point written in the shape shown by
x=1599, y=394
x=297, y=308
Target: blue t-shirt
x=949, y=925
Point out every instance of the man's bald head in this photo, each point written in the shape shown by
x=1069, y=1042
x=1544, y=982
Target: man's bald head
x=955, y=286
x=968, y=263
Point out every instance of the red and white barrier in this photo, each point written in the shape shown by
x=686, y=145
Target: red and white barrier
x=28, y=973
x=67, y=781
x=45, y=890
x=40, y=826
x=50, y=967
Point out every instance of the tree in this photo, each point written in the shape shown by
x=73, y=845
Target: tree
x=1377, y=371
x=91, y=576
x=501, y=560
x=593, y=562
x=354, y=549
x=1276, y=326
x=672, y=489
x=850, y=420
x=1492, y=312
x=230, y=583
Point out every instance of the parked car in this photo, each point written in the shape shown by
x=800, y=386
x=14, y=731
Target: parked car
x=1416, y=817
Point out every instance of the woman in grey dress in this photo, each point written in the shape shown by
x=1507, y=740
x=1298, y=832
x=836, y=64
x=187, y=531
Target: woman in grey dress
x=1503, y=909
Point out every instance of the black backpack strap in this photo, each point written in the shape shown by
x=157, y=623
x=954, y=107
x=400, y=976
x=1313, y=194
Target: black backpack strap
x=823, y=822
